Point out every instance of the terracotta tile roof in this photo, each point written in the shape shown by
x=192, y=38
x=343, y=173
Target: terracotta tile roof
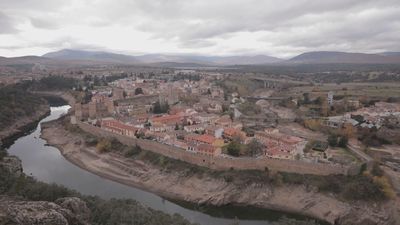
x=206, y=148
x=231, y=131
x=167, y=118
x=117, y=124
x=204, y=138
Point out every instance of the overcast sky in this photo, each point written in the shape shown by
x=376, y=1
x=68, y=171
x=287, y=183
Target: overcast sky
x=281, y=28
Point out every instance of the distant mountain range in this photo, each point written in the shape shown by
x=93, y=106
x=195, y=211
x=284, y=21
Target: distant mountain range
x=70, y=56
x=324, y=57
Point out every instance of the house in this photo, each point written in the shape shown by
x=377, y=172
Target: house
x=214, y=131
x=194, y=128
x=167, y=119
x=232, y=133
x=179, y=144
x=161, y=137
x=206, y=118
x=162, y=127
x=204, y=139
x=136, y=105
x=275, y=153
x=209, y=150
x=214, y=108
x=224, y=121
x=339, y=121
x=118, y=127
x=274, y=140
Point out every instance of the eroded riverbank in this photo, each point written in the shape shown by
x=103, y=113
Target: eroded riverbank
x=211, y=190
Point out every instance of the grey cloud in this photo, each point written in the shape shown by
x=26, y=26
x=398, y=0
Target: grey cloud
x=197, y=43
x=290, y=25
x=7, y=25
x=43, y=23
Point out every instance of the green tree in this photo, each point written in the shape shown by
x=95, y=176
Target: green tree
x=138, y=91
x=160, y=107
x=233, y=149
x=343, y=141
x=255, y=148
x=306, y=98
x=332, y=140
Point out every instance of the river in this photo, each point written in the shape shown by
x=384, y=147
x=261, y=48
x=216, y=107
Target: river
x=46, y=164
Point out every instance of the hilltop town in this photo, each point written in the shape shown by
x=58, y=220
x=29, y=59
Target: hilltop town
x=196, y=134
x=225, y=116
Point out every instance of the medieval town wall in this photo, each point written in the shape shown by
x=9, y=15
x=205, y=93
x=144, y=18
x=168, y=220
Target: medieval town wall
x=221, y=163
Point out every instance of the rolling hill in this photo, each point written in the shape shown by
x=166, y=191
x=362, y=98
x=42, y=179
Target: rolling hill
x=325, y=57
x=69, y=54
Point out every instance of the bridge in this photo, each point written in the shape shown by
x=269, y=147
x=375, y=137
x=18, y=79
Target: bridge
x=276, y=83
x=256, y=98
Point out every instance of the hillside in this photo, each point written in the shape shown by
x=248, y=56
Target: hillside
x=25, y=60
x=69, y=54
x=390, y=53
x=344, y=57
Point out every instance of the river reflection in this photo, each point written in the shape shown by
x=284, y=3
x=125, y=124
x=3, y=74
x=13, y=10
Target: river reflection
x=47, y=164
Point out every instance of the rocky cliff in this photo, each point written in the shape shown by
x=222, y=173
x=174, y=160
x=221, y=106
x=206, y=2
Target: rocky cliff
x=16, y=210
x=66, y=211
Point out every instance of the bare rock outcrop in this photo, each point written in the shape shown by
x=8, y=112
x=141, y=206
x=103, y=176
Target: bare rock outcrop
x=77, y=206
x=21, y=212
x=360, y=214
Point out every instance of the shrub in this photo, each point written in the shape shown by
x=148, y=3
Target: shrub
x=376, y=170
x=91, y=141
x=132, y=151
x=104, y=145
x=233, y=149
x=332, y=140
x=385, y=186
x=343, y=141
x=363, y=188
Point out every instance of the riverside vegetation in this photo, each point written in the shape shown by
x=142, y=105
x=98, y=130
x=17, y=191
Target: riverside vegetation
x=107, y=212
x=16, y=103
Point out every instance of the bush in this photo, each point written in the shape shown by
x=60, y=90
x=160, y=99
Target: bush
x=233, y=149
x=16, y=102
x=343, y=141
x=104, y=145
x=333, y=140
x=376, y=170
x=132, y=151
x=363, y=188
x=91, y=141
x=107, y=212
x=385, y=186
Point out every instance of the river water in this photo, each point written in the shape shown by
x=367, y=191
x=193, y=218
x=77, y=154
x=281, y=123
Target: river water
x=46, y=163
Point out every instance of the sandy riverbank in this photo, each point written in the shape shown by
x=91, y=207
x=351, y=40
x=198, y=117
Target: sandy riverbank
x=211, y=190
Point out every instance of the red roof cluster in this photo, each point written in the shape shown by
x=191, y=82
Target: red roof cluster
x=167, y=119
x=117, y=124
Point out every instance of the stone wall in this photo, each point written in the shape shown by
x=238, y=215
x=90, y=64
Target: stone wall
x=220, y=163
